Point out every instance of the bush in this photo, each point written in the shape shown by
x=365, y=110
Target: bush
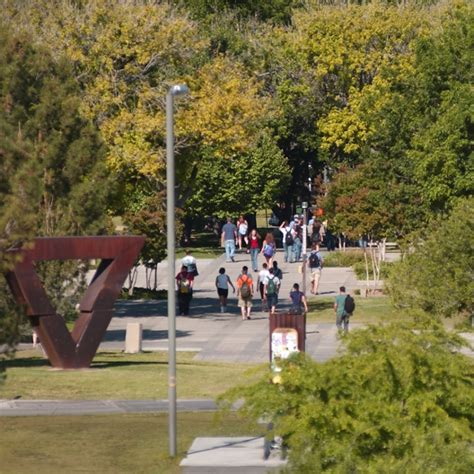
x=437, y=277
x=344, y=259
x=359, y=269
x=398, y=400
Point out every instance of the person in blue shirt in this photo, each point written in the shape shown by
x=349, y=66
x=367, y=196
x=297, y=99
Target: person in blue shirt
x=298, y=300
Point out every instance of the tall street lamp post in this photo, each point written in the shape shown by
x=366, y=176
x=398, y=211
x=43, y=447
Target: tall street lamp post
x=304, y=205
x=170, y=224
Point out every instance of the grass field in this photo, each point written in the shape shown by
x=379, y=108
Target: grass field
x=106, y=443
x=369, y=310
x=120, y=376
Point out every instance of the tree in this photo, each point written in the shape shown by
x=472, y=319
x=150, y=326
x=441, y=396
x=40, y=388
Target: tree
x=51, y=165
x=398, y=400
x=411, y=124
x=240, y=183
x=437, y=275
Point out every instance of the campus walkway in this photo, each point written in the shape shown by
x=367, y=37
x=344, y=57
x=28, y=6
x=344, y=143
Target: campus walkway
x=212, y=335
x=225, y=337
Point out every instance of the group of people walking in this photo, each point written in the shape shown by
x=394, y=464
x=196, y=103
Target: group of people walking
x=268, y=285
x=233, y=234
x=268, y=281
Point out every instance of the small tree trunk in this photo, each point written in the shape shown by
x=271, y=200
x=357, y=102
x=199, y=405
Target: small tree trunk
x=133, y=275
x=372, y=260
x=383, y=250
x=147, y=278
x=155, y=280
x=366, y=272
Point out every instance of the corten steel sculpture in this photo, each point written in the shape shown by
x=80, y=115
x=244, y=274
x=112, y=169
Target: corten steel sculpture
x=74, y=350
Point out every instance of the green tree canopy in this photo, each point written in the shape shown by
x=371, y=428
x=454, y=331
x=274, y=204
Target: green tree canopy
x=447, y=244
x=52, y=171
x=398, y=400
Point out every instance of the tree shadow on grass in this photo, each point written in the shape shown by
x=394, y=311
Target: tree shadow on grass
x=26, y=362
x=316, y=305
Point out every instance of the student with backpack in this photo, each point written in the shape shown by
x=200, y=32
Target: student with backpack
x=297, y=233
x=344, y=307
x=315, y=264
x=184, y=287
x=262, y=278
x=277, y=270
x=190, y=263
x=271, y=288
x=245, y=292
x=268, y=248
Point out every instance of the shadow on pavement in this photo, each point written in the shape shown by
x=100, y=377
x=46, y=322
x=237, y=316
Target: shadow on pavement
x=148, y=334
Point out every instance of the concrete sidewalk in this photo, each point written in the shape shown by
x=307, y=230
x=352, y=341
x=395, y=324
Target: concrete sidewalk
x=225, y=337
x=95, y=407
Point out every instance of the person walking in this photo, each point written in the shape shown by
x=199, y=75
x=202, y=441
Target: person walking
x=297, y=239
x=298, y=300
x=271, y=288
x=222, y=285
x=242, y=230
x=190, y=263
x=315, y=264
x=262, y=277
x=184, y=287
x=228, y=238
x=277, y=270
x=245, y=293
x=287, y=239
x=343, y=307
x=254, y=248
x=268, y=248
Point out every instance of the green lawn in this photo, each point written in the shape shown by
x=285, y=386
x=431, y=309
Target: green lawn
x=119, y=376
x=201, y=252
x=106, y=443
x=369, y=310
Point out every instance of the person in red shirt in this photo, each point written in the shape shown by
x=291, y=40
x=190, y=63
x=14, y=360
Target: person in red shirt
x=254, y=245
x=184, y=287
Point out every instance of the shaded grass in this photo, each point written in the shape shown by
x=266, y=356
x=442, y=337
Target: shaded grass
x=373, y=309
x=116, y=375
x=135, y=443
x=201, y=252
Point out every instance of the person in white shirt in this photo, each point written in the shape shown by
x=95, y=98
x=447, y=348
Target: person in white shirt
x=271, y=288
x=288, y=241
x=262, y=278
x=242, y=231
x=190, y=263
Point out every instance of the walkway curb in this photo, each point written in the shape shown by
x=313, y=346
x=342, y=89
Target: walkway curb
x=97, y=407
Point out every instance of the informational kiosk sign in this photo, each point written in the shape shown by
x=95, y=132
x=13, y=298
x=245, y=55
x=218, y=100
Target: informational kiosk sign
x=280, y=321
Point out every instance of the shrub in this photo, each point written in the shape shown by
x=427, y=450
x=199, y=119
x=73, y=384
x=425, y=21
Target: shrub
x=344, y=259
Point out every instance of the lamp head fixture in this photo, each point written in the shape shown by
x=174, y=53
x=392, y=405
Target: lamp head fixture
x=179, y=89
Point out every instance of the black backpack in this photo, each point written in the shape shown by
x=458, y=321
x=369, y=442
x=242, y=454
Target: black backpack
x=289, y=238
x=349, y=304
x=314, y=260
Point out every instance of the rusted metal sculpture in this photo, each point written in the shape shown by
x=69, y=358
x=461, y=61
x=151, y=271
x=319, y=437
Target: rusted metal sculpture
x=74, y=350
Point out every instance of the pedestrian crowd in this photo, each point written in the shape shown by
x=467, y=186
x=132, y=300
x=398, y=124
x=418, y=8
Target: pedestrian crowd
x=269, y=278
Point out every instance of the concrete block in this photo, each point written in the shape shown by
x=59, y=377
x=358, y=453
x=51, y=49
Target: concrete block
x=242, y=455
x=133, y=338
